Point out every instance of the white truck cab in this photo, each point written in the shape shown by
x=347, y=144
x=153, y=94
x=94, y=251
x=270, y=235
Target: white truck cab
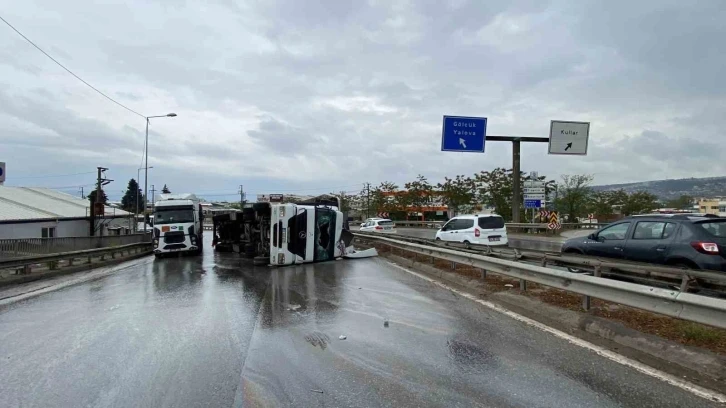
x=177, y=224
x=304, y=234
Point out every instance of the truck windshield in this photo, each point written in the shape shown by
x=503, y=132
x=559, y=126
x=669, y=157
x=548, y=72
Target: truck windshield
x=172, y=216
x=325, y=220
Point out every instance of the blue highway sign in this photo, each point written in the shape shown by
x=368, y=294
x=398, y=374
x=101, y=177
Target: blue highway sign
x=463, y=134
x=532, y=203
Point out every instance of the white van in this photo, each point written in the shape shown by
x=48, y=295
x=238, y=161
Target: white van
x=481, y=229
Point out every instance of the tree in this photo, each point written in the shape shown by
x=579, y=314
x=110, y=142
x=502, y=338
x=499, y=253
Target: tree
x=419, y=193
x=92, y=197
x=347, y=201
x=496, y=188
x=133, y=197
x=684, y=202
x=362, y=202
x=574, y=195
x=382, y=198
x=165, y=190
x=602, y=202
x=639, y=202
x=457, y=192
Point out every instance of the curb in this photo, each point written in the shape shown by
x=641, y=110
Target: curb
x=665, y=354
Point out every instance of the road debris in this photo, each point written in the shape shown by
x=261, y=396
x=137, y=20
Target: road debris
x=342, y=337
x=318, y=391
x=509, y=285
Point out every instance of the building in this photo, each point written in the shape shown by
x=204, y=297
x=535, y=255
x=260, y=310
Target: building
x=715, y=206
x=30, y=212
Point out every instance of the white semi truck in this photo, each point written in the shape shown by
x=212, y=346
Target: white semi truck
x=177, y=224
x=286, y=233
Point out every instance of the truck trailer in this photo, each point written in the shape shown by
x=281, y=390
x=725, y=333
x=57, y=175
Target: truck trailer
x=285, y=233
x=177, y=224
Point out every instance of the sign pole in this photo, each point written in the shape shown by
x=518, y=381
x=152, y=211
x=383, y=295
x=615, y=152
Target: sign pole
x=516, y=188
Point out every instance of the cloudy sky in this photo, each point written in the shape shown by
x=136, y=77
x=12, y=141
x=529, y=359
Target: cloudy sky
x=315, y=96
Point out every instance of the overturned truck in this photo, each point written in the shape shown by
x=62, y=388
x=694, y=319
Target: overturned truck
x=286, y=233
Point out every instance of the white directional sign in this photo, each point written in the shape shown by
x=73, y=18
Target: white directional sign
x=533, y=190
x=569, y=137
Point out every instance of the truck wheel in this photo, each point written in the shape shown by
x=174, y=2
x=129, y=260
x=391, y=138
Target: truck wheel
x=260, y=261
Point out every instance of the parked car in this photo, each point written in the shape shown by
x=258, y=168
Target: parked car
x=482, y=229
x=379, y=225
x=695, y=241
x=362, y=224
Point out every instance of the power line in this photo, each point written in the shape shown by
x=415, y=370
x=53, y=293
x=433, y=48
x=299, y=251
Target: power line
x=53, y=175
x=64, y=187
x=71, y=72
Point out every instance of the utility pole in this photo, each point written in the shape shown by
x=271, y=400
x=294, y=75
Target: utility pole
x=82, y=196
x=98, y=207
x=241, y=197
x=368, y=199
x=153, y=197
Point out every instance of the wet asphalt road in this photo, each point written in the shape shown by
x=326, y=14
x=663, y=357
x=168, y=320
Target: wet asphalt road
x=216, y=331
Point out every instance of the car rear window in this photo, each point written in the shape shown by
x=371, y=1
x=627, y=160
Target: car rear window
x=715, y=228
x=491, y=222
x=385, y=222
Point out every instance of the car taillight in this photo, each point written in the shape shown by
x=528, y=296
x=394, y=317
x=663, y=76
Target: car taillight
x=378, y=227
x=710, y=248
x=477, y=232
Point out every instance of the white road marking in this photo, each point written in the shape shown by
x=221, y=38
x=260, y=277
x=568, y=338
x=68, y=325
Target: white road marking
x=663, y=376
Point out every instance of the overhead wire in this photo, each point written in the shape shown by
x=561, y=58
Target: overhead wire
x=54, y=175
x=69, y=71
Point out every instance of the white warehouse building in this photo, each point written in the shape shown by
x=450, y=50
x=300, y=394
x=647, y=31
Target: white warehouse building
x=31, y=212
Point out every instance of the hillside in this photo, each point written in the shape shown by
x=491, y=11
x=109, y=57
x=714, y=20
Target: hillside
x=670, y=189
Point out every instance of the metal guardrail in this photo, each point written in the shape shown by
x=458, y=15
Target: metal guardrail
x=672, y=303
x=644, y=273
x=19, y=248
x=26, y=263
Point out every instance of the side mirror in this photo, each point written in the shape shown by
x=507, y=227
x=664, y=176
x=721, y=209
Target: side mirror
x=592, y=236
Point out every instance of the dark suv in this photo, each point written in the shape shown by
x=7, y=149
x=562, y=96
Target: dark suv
x=694, y=241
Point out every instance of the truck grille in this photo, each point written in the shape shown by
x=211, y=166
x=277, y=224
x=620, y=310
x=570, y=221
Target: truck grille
x=174, y=237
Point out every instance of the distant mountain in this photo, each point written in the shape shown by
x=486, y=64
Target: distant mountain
x=670, y=189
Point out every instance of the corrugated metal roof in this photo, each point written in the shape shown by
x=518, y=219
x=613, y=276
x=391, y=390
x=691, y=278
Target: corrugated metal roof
x=27, y=203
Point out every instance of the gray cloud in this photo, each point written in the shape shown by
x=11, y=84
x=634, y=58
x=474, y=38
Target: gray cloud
x=276, y=95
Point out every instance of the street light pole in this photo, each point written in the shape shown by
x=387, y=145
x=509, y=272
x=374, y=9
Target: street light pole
x=137, y=195
x=146, y=165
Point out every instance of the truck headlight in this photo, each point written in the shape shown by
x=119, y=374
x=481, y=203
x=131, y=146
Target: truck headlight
x=156, y=243
x=280, y=259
